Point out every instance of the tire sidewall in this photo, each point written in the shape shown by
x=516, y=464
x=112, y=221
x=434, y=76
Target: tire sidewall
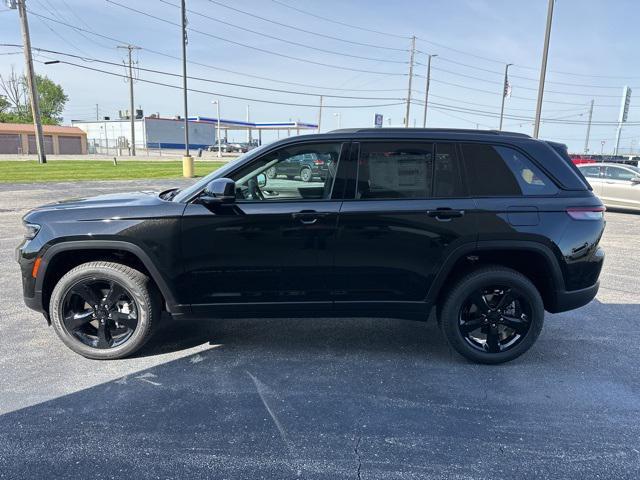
x=451, y=310
x=302, y=174
x=136, y=287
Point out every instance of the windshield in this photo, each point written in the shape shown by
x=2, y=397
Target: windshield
x=221, y=172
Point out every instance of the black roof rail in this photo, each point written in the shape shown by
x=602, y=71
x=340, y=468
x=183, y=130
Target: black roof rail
x=429, y=130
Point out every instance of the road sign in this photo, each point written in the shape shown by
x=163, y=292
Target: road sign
x=378, y=120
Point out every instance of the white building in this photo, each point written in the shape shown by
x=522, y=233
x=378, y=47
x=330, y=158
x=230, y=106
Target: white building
x=168, y=133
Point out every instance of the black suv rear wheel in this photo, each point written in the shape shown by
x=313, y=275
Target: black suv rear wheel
x=492, y=315
x=104, y=310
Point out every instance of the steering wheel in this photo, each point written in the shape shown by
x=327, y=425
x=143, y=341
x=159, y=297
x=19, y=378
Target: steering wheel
x=254, y=189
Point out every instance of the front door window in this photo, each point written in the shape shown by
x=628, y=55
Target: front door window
x=300, y=172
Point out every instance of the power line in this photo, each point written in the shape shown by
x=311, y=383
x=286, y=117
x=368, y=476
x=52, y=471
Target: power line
x=517, y=117
x=202, y=79
x=252, y=47
x=207, y=92
x=309, y=32
x=210, y=66
x=406, y=37
x=290, y=42
x=494, y=82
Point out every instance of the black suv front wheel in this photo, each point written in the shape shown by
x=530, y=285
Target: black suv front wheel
x=104, y=310
x=492, y=315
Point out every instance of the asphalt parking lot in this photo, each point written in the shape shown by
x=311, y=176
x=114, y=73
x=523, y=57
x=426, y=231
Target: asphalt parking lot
x=327, y=398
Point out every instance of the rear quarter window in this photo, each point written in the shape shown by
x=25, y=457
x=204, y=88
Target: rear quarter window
x=497, y=170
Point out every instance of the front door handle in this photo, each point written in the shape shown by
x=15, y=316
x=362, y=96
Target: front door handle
x=308, y=217
x=445, y=214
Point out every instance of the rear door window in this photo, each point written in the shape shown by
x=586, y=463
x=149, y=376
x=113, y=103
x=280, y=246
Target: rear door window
x=496, y=170
x=395, y=170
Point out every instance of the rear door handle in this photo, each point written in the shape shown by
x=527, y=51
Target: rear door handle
x=445, y=214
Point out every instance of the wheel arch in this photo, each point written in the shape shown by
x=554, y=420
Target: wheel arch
x=61, y=257
x=534, y=260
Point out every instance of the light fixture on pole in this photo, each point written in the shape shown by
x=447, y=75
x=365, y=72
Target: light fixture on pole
x=506, y=91
x=217, y=104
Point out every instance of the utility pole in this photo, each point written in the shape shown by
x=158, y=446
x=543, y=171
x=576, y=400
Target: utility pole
x=187, y=160
x=411, y=59
x=426, y=94
x=31, y=78
x=543, y=69
x=217, y=104
x=132, y=115
x=586, y=140
x=249, y=128
x=97, y=113
x=320, y=114
x=505, y=91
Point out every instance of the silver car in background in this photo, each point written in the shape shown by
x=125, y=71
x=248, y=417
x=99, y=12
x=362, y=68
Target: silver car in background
x=617, y=185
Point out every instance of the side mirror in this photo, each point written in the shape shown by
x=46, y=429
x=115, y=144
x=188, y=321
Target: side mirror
x=261, y=179
x=219, y=191
x=635, y=180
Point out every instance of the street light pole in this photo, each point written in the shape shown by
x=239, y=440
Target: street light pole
x=338, y=115
x=426, y=94
x=187, y=160
x=586, y=140
x=411, y=60
x=31, y=81
x=504, y=91
x=543, y=69
x=217, y=104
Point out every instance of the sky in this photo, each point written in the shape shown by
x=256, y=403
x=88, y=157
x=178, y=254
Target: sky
x=352, y=48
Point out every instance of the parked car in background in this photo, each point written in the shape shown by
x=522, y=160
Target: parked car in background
x=618, y=186
x=489, y=229
x=305, y=166
x=228, y=147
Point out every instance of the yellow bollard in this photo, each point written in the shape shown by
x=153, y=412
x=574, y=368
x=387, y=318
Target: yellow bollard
x=187, y=166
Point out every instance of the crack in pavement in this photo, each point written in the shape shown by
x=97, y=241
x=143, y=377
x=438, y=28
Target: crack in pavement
x=358, y=457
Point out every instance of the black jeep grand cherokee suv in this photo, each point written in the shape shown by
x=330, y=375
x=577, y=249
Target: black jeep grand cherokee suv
x=490, y=228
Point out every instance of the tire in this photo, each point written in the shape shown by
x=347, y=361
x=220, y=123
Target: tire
x=519, y=322
x=142, y=299
x=305, y=175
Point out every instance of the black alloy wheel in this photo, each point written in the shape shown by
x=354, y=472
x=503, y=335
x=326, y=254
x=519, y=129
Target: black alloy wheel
x=101, y=314
x=104, y=310
x=495, y=319
x=492, y=315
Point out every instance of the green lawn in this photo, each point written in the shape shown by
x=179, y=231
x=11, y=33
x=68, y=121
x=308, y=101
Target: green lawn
x=69, y=170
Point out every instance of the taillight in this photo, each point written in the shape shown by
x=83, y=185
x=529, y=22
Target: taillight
x=586, y=213
x=318, y=162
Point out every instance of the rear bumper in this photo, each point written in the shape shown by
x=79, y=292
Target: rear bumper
x=570, y=300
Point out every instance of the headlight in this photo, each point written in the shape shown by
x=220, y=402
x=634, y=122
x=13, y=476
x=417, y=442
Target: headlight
x=31, y=230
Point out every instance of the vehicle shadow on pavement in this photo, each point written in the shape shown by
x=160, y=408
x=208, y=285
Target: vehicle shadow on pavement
x=344, y=398
x=297, y=335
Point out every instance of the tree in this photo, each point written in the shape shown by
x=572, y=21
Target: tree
x=16, y=99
